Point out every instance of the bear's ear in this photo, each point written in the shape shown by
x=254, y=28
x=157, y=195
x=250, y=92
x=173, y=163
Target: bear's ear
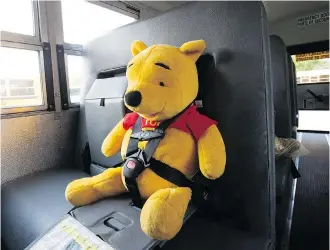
x=193, y=49
x=138, y=46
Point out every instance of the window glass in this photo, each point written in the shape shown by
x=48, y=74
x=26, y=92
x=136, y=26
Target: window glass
x=17, y=17
x=21, y=87
x=20, y=78
x=75, y=67
x=2, y=87
x=84, y=21
x=317, y=120
x=312, y=67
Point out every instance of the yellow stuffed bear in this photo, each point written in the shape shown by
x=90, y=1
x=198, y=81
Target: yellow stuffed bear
x=162, y=83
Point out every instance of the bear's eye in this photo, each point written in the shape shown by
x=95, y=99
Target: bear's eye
x=162, y=65
x=162, y=84
x=130, y=65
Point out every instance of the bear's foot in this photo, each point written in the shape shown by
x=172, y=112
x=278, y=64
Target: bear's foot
x=162, y=214
x=88, y=190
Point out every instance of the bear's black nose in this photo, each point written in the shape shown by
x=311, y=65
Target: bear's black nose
x=133, y=98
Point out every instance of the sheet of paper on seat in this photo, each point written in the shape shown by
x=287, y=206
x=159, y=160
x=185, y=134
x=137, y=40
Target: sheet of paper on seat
x=70, y=234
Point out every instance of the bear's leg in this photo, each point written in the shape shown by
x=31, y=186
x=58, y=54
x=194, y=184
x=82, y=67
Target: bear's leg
x=88, y=190
x=162, y=214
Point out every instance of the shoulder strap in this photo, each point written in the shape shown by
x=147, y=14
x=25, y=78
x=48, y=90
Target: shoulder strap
x=133, y=142
x=153, y=144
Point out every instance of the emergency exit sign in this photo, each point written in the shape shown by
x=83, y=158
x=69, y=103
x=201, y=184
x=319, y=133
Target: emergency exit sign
x=313, y=19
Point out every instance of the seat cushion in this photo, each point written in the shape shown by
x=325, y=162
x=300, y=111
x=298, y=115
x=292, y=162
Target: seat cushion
x=204, y=233
x=32, y=204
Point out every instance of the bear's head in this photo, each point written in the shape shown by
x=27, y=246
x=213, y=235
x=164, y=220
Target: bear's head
x=162, y=79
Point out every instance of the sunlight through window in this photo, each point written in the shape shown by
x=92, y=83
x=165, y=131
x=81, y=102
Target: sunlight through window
x=17, y=17
x=78, y=29
x=20, y=78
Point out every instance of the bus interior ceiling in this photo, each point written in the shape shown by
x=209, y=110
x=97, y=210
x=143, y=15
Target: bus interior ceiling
x=38, y=140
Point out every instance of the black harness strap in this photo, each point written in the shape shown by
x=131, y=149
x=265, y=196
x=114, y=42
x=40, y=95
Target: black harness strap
x=134, y=192
x=294, y=171
x=133, y=142
x=137, y=160
x=170, y=174
x=153, y=144
x=200, y=192
x=130, y=180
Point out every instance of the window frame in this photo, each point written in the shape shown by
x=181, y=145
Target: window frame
x=300, y=79
x=34, y=43
x=120, y=7
x=10, y=36
x=48, y=36
x=308, y=48
x=305, y=48
x=78, y=49
x=38, y=49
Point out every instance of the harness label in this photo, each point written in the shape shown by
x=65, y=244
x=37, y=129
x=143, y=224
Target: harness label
x=149, y=124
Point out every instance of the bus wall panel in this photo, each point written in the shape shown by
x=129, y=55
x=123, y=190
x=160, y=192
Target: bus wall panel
x=38, y=142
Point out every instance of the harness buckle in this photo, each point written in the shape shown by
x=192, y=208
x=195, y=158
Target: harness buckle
x=135, y=164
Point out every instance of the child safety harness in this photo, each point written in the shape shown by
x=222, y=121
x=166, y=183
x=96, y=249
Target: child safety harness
x=137, y=160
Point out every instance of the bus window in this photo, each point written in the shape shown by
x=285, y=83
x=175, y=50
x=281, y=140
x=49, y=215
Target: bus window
x=312, y=67
x=20, y=78
x=78, y=30
x=312, y=74
x=29, y=36
x=18, y=20
x=74, y=66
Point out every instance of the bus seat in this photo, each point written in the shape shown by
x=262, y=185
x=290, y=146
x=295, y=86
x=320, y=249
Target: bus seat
x=104, y=108
x=32, y=204
x=281, y=70
x=283, y=103
x=294, y=106
x=238, y=95
x=201, y=233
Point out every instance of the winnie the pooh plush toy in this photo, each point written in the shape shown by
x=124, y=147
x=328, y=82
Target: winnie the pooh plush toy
x=162, y=86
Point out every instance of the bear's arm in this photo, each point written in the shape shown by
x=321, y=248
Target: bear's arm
x=211, y=153
x=112, y=143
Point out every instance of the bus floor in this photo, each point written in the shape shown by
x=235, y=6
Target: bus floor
x=310, y=222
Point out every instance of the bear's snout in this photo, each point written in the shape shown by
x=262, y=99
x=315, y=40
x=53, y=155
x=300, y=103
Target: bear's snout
x=133, y=98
